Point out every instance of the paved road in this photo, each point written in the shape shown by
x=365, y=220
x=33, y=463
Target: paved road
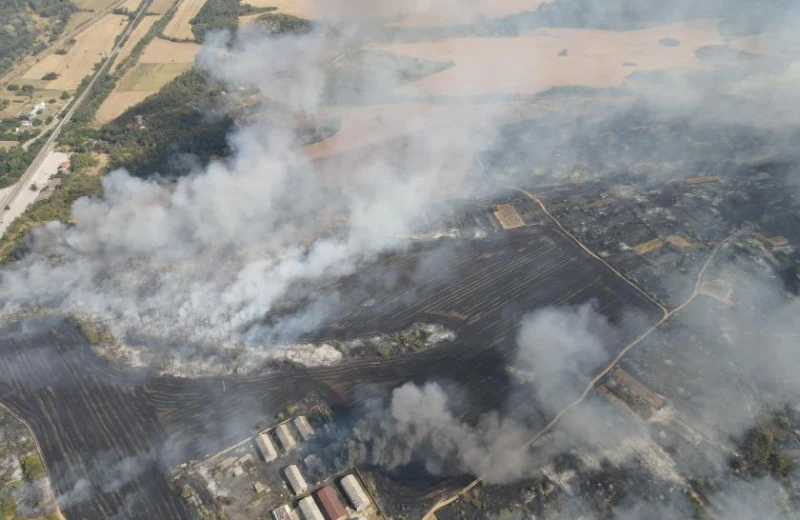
x=25, y=181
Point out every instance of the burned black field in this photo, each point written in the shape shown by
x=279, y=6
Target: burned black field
x=108, y=435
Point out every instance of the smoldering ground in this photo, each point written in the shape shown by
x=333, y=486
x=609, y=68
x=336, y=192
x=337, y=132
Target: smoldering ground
x=201, y=263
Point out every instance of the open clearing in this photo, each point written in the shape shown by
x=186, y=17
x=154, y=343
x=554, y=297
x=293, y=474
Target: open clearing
x=132, y=5
x=160, y=6
x=137, y=34
x=179, y=27
x=92, y=45
x=94, y=5
x=165, y=51
x=534, y=63
x=508, y=217
x=117, y=103
x=443, y=13
x=150, y=77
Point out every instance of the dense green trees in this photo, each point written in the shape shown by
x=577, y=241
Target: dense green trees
x=20, y=34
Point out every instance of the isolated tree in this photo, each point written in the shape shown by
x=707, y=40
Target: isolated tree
x=50, y=76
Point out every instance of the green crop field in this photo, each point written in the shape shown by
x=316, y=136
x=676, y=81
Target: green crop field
x=150, y=77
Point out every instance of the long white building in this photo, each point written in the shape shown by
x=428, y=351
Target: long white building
x=310, y=509
x=355, y=493
x=304, y=427
x=296, y=480
x=266, y=447
x=285, y=436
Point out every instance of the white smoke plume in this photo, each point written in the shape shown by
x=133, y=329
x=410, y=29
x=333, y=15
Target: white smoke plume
x=202, y=262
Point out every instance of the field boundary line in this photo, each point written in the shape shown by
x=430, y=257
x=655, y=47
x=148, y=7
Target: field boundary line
x=588, y=251
x=430, y=515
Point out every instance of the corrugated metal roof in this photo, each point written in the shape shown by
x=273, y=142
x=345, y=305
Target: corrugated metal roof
x=268, y=450
x=310, y=510
x=286, y=438
x=331, y=504
x=355, y=493
x=296, y=480
x=304, y=427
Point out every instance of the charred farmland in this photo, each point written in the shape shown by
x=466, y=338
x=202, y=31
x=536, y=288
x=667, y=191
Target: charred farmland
x=79, y=406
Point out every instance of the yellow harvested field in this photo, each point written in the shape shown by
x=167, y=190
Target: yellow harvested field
x=532, y=63
x=160, y=6
x=165, y=51
x=179, y=27
x=117, y=103
x=94, y=5
x=137, y=34
x=92, y=45
x=132, y=5
x=442, y=13
x=679, y=242
x=646, y=247
x=508, y=217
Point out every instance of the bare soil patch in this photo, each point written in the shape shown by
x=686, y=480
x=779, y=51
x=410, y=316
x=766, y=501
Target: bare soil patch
x=679, y=241
x=647, y=247
x=508, y=217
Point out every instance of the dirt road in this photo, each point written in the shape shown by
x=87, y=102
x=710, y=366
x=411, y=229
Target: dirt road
x=430, y=515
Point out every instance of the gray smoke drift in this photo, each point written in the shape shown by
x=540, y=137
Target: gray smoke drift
x=421, y=425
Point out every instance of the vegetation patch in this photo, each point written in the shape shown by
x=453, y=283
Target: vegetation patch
x=152, y=76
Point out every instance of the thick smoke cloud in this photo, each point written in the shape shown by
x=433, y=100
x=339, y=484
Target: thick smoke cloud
x=201, y=262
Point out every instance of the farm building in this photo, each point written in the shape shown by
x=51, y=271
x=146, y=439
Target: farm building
x=283, y=513
x=285, y=436
x=266, y=447
x=331, y=504
x=310, y=510
x=296, y=480
x=355, y=493
x=304, y=427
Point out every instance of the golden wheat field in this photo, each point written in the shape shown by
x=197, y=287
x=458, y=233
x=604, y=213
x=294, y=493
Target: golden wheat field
x=550, y=58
